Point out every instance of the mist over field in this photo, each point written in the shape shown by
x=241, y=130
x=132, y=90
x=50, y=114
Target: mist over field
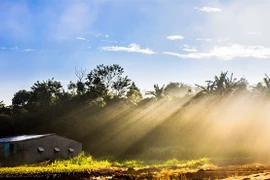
x=156, y=89
x=150, y=80
x=105, y=110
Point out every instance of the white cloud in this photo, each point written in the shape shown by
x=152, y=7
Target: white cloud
x=80, y=38
x=189, y=48
x=175, y=37
x=204, y=39
x=253, y=33
x=3, y=48
x=131, y=48
x=106, y=35
x=188, y=56
x=208, y=9
x=28, y=50
x=228, y=52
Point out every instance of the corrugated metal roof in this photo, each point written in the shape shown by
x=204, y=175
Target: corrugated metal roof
x=22, y=138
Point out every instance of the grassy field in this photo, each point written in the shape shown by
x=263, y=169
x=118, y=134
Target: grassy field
x=86, y=162
x=85, y=167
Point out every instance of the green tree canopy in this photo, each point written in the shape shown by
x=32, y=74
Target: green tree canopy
x=223, y=85
x=21, y=98
x=158, y=93
x=176, y=89
x=45, y=93
x=106, y=80
x=134, y=95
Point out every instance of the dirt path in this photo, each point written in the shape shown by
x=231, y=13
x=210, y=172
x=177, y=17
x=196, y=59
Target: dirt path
x=258, y=176
x=228, y=175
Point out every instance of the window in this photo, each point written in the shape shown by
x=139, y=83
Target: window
x=56, y=150
x=71, y=150
x=40, y=149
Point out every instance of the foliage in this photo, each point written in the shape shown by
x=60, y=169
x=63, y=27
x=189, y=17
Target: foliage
x=105, y=80
x=158, y=93
x=7, y=110
x=266, y=80
x=176, y=89
x=21, y=98
x=82, y=160
x=224, y=85
x=134, y=95
x=106, y=111
x=44, y=94
x=85, y=162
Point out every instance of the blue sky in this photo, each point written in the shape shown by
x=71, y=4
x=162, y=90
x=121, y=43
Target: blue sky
x=156, y=41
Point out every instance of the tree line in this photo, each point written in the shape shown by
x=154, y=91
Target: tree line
x=97, y=108
x=104, y=84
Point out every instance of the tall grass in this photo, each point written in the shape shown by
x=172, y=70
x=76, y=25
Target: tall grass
x=85, y=162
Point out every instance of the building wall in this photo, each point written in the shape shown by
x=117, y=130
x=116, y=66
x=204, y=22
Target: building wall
x=31, y=153
x=1, y=150
x=28, y=150
x=1, y=153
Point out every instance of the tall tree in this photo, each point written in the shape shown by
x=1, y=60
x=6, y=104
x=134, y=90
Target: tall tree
x=21, y=98
x=79, y=87
x=120, y=86
x=106, y=80
x=45, y=93
x=176, y=89
x=2, y=104
x=134, y=95
x=7, y=110
x=158, y=93
x=263, y=88
x=224, y=85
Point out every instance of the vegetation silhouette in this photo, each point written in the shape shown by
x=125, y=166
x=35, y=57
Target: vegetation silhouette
x=107, y=112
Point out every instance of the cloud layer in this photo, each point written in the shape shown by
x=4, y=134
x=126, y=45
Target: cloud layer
x=208, y=9
x=28, y=50
x=80, y=38
x=175, y=37
x=135, y=48
x=253, y=33
x=228, y=52
x=189, y=48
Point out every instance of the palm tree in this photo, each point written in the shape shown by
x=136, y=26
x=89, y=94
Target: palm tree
x=223, y=84
x=266, y=81
x=159, y=92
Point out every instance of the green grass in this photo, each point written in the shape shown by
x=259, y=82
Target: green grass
x=82, y=160
x=85, y=162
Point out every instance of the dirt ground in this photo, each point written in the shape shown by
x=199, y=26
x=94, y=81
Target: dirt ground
x=247, y=172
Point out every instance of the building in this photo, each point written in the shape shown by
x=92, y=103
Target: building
x=36, y=148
